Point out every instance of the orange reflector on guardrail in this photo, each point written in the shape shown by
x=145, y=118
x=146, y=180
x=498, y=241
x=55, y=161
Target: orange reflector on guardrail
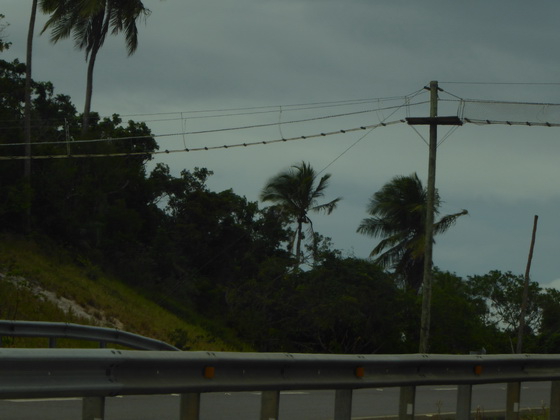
x=477, y=370
x=360, y=372
x=209, y=372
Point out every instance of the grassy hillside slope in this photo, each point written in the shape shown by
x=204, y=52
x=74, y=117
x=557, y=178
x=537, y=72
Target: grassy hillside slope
x=42, y=282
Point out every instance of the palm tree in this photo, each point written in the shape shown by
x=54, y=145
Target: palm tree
x=89, y=21
x=296, y=193
x=398, y=213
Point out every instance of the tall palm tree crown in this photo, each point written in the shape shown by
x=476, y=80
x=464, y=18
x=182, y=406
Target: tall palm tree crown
x=296, y=192
x=398, y=213
x=89, y=21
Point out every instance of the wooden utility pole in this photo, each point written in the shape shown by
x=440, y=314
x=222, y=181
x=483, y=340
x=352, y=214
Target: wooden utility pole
x=433, y=121
x=430, y=200
x=525, y=298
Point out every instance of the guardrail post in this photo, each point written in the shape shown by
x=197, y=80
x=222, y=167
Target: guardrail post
x=93, y=408
x=512, y=400
x=343, y=404
x=406, y=402
x=190, y=406
x=554, y=401
x=270, y=404
x=464, y=402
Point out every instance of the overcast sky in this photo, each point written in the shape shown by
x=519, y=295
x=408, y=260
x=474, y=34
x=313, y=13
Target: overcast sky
x=269, y=55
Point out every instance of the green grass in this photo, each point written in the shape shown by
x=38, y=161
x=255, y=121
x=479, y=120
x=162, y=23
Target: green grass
x=110, y=301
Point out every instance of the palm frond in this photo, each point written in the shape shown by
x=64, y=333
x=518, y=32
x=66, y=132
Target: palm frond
x=327, y=207
x=89, y=21
x=377, y=226
x=392, y=255
x=447, y=221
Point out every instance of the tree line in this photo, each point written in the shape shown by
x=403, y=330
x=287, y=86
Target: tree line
x=262, y=271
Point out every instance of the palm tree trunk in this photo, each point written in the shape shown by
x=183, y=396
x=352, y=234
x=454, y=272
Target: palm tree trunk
x=89, y=90
x=298, y=244
x=27, y=110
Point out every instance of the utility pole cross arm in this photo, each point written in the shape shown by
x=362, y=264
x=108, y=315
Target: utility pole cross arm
x=434, y=120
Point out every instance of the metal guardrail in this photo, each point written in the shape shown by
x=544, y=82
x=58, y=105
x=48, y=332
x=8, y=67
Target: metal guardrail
x=101, y=373
x=95, y=374
x=109, y=372
x=55, y=330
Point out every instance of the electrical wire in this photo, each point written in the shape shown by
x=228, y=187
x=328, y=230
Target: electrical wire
x=215, y=130
x=310, y=105
x=516, y=123
x=199, y=149
x=504, y=83
x=406, y=103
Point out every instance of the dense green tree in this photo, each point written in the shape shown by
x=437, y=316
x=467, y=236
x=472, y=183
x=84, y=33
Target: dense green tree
x=75, y=199
x=398, y=213
x=548, y=340
x=14, y=188
x=296, y=192
x=101, y=205
x=4, y=45
x=209, y=242
x=344, y=307
x=459, y=318
x=340, y=305
x=89, y=22
x=503, y=293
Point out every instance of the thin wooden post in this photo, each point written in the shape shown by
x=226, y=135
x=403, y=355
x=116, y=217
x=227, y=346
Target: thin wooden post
x=525, y=298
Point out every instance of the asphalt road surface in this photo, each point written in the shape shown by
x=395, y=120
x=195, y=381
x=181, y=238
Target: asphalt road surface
x=294, y=405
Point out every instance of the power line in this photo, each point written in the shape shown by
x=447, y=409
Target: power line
x=516, y=123
x=217, y=130
x=241, y=111
x=199, y=149
x=505, y=83
x=237, y=114
x=226, y=112
x=311, y=105
x=366, y=134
